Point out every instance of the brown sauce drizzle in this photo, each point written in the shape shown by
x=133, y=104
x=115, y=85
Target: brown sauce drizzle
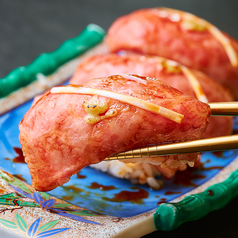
x=73, y=188
x=171, y=193
x=80, y=176
x=20, y=157
x=210, y=192
x=218, y=154
x=68, y=198
x=129, y=196
x=162, y=200
x=185, y=177
x=19, y=176
x=201, y=167
x=96, y=185
x=213, y=167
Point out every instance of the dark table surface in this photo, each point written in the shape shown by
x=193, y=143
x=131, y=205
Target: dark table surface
x=29, y=28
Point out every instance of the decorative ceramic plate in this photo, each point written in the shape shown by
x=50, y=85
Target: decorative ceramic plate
x=93, y=203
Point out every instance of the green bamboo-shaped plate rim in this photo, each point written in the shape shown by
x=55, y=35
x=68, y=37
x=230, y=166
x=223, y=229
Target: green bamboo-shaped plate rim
x=169, y=216
x=48, y=63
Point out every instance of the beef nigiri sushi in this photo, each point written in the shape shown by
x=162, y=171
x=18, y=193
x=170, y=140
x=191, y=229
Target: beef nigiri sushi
x=77, y=125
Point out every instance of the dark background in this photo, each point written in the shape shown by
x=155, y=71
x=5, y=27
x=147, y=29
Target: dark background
x=29, y=28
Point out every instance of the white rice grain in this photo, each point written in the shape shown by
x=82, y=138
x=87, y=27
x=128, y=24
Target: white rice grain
x=153, y=183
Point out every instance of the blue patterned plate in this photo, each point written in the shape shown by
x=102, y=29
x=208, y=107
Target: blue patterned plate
x=81, y=190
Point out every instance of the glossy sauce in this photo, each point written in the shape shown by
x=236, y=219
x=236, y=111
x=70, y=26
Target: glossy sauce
x=73, y=188
x=129, y=196
x=218, y=154
x=20, y=157
x=79, y=176
x=201, y=167
x=221, y=154
x=162, y=200
x=72, y=192
x=210, y=192
x=96, y=185
x=171, y=193
x=68, y=198
x=185, y=178
x=19, y=176
x=213, y=167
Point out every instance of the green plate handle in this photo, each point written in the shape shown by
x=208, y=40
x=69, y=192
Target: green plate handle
x=48, y=63
x=169, y=216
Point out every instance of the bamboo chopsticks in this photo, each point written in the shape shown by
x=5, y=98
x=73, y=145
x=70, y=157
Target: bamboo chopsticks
x=202, y=145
